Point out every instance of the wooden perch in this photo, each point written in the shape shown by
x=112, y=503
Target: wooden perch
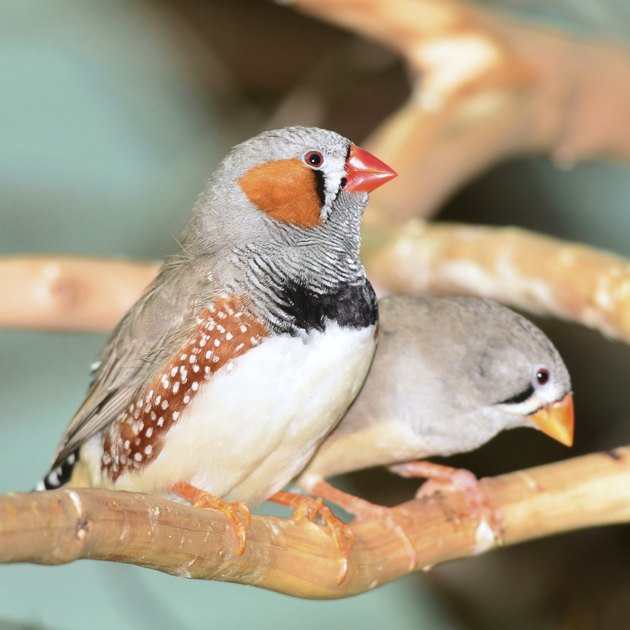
x=539, y=274
x=69, y=292
x=300, y=559
x=483, y=88
x=533, y=272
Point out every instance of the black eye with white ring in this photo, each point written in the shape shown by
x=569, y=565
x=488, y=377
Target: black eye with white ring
x=542, y=376
x=314, y=159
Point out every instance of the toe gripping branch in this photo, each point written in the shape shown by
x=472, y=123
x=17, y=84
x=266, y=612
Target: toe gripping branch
x=446, y=479
x=315, y=510
x=238, y=514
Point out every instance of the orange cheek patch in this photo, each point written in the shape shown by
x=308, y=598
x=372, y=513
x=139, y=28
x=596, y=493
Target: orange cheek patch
x=286, y=190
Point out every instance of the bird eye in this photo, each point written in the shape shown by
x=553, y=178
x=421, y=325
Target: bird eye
x=314, y=159
x=542, y=376
x=344, y=181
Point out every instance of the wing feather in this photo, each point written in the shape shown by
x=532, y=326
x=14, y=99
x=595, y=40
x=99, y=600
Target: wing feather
x=152, y=329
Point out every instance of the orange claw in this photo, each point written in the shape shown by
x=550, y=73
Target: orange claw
x=237, y=513
x=314, y=509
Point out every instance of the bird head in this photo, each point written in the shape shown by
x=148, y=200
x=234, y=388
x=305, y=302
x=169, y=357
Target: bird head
x=287, y=182
x=523, y=376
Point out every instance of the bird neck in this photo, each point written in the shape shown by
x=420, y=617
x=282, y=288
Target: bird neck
x=301, y=288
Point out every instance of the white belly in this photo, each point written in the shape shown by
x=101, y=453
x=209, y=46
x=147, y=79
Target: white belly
x=249, y=431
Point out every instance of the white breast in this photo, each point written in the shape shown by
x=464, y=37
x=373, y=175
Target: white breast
x=250, y=430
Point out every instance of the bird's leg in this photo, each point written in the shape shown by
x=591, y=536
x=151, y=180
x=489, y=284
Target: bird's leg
x=444, y=478
x=237, y=513
x=314, y=509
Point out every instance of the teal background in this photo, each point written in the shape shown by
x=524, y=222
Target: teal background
x=106, y=137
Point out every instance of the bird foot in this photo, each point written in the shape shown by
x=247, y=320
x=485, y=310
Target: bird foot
x=365, y=510
x=447, y=479
x=237, y=513
x=314, y=510
x=361, y=509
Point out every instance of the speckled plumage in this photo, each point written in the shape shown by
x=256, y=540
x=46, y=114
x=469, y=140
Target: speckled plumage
x=201, y=382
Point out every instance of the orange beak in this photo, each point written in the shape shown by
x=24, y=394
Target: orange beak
x=365, y=172
x=556, y=420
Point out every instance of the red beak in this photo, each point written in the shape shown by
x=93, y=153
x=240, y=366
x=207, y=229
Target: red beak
x=365, y=172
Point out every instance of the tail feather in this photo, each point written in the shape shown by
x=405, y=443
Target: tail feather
x=60, y=474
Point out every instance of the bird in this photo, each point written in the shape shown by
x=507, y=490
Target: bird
x=449, y=374
x=218, y=384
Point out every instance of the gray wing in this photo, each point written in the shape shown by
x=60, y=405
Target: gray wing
x=154, y=327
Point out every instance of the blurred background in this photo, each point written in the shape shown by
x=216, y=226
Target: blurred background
x=112, y=114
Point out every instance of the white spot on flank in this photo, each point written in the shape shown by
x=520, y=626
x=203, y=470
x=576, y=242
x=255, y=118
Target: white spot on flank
x=220, y=329
x=148, y=449
x=221, y=315
x=150, y=395
x=243, y=328
x=160, y=422
x=173, y=371
x=138, y=457
x=157, y=400
x=202, y=343
x=229, y=335
x=186, y=399
x=183, y=357
x=215, y=359
x=239, y=347
x=208, y=354
x=195, y=368
x=149, y=432
x=217, y=343
x=165, y=404
x=153, y=416
x=136, y=427
x=127, y=444
x=192, y=359
x=194, y=386
x=175, y=415
x=175, y=387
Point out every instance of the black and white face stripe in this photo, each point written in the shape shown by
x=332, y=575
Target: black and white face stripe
x=521, y=397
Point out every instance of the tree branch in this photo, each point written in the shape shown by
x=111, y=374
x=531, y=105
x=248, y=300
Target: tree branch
x=534, y=272
x=69, y=292
x=537, y=273
x=300, y=559
x=483, y=88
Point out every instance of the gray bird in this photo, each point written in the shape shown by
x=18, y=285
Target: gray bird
x=220, y=382
x=448, y=375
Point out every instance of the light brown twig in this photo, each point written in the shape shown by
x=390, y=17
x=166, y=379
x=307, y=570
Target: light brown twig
x=483, y=88
x=68, y=292
x=300, y=558
x=539, y=274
